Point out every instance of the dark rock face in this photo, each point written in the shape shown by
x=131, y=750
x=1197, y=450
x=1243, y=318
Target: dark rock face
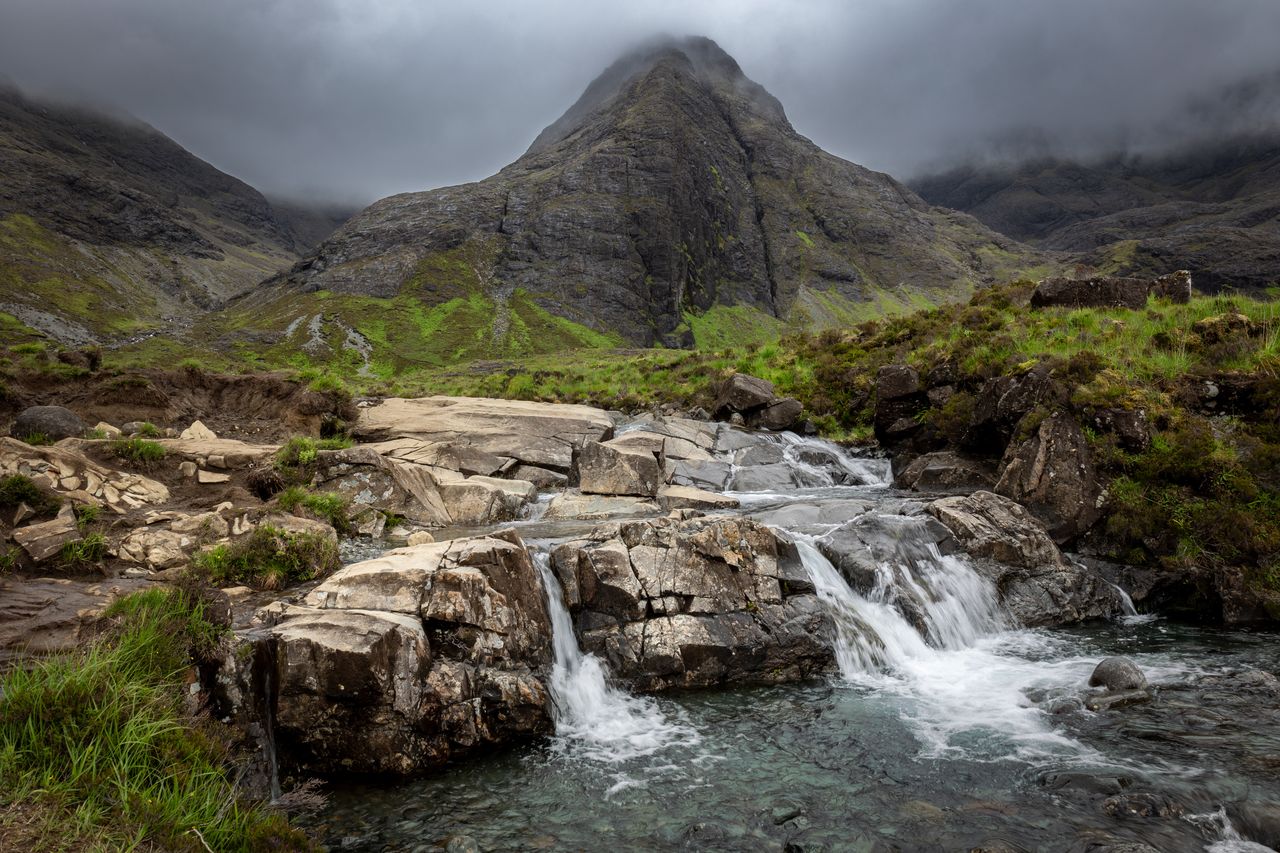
x=1052, y=474
x=1002, y=403
x=53, y=422
x=1210, y=209
x=899, y=398
x=674, y=184
x=945, y=471
x=1111, y=292
x=756, y=402
x=693, y=603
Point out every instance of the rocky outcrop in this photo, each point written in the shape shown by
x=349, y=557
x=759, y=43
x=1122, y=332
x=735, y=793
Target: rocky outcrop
x=1111, y=291
x=399, y=664
x=1035, y=582
x=471, y=434
x=755, y=402
x=1003, y=402
x=1052, y=474
x=945, y=471
x=899, y=398
x=71, y=475
x=44, y=616
x=693, y=603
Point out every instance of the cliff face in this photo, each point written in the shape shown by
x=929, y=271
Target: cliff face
x=673, y=185
x=108, y=227
x=1213, y=209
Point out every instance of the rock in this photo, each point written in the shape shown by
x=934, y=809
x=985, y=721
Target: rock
x=197, y=432
x=45, y=616
x=53, y=422
x=107, y=430
x=943, y=471
x=603, y=470
x=741, y=394
x=899, y=399
x=1107, y=291
x=485, y=500
x=759, y=454
x=369, y=478
x=44, y=541
x=1175, y=287
x=1052, y=474
x=402, y=663
x=1129, y=426
x=1118, y=673
x=687, y=497
x=693, y=603
x=210, y=478
x=1142, y=805
x=420, y=537
x=187, y=469
x=1257, y=821
x=543, y=479
x=69, y=473
x=705, y=475
x=781, y=477
x=1116, y=699
x=1035, y=583
x=1003, y=402
x=782, y=415
x=541, y=434
x=573, y=504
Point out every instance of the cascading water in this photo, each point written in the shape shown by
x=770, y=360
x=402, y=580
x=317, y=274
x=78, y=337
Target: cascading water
x=593, y=718
x=830, y=464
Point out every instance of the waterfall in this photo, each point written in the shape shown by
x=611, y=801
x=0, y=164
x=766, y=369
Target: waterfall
x=829, y=463
x=952, y=606
x=593, y=718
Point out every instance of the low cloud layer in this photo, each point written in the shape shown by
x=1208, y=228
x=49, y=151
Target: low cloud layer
x=351, y=100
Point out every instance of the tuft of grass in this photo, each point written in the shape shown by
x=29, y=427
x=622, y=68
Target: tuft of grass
x=18, y=489
x=269, y=558
x=328, y=506
x=86, y=515
x=300, y=451
x=87, y=551
x=37, y=439
x=149, y=430
x=100, y=745
x=139, y=451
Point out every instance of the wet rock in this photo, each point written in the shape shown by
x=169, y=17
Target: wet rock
x=704, y=475
x=1035, y=583
x=603, y=470
x=53, y=422
x=945, y=470
x=543, y=479
x=573, y=504
x=687, y=497
x=485, y=500
x=759, y=454
x=1052, y=474
x=741, y=394
x=1118, y=673
x=402, y=663
x=1001, y=405
x=1142, y=805
x=1258, y=822
x=1116, y=699
x=779, y=477
x=782, y=415
x=693, y=603
x=1083, y=781
x=899, y=398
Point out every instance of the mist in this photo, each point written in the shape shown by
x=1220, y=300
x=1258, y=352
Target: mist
x=346, y=101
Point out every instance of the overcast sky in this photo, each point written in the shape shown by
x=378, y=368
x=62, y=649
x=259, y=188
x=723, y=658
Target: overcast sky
x=357, y=99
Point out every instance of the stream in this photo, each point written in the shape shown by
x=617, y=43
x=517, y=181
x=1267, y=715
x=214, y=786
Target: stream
x=953, y=730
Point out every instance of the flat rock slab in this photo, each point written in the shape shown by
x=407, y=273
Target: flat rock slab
x=42, y=616
x=573, y=504
x=542, y=434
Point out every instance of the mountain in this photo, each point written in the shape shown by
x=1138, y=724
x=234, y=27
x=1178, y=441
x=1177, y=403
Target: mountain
x=1212, y=207
x=109, y=228
x=674, y=195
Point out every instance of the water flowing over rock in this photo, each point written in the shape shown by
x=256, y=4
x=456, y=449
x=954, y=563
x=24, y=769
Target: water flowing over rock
x=400, y=663
x=692, y=603
x=1036, y=583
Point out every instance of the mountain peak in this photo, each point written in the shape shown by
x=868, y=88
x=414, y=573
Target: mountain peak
x=709, y=65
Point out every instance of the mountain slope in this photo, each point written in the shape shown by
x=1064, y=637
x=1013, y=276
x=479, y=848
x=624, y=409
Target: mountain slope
x=672, y=190
x=1213, y=208
x=108, y=227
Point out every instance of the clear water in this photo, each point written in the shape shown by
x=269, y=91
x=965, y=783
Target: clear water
x=947, y=730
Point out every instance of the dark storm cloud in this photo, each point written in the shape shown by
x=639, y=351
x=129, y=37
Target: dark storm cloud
x=355, y=100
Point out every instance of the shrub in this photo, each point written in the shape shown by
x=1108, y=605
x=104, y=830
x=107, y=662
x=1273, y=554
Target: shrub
x=300, y=451
x=140, y=451
x=270, y=558
x=149, y=430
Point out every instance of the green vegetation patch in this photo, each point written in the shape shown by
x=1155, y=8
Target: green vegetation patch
x=18, y=489
x=269, y=558
x=140, y=451
x=97, y=750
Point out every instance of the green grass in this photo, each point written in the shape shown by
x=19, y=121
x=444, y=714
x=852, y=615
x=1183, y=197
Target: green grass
x=140, y=451
x=269, y=558
x=18, y=489
x=301, y=451
x=327, y=506
x=88, y=551
x=99, y=746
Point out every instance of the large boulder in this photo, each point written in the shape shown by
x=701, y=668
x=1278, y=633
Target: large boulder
x=782, y=415
x=899, y=398
x=53, y=422
x=401, y=663
x=515, y=431
x=1036, y=584
x=693, y=603
x=601, y=469
x=945, y=471
x=1052, y=474
x=742, y=394
x=1001, y=405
